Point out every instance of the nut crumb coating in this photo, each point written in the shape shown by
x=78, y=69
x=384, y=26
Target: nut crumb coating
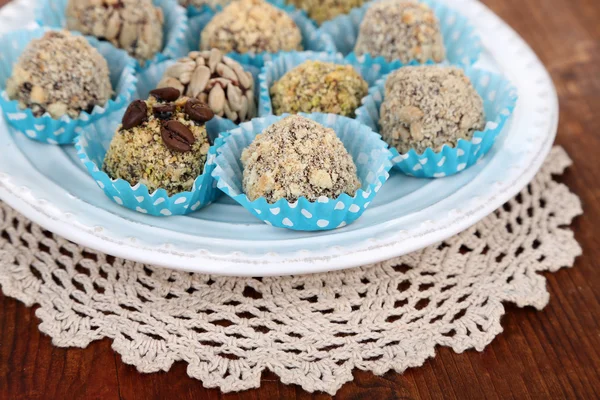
x=401, y=29
x=429, y=106
x=324, y=10
x=61, y=74
x=298, y=157
x=251, y=26
x=139, y=154
x=317, y=86
x=135, y=26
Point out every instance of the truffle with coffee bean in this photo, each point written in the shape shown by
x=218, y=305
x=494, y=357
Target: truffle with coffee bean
x=161, y=143
x=216, y=80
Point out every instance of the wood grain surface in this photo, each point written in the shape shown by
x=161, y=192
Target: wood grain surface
x=554, y=353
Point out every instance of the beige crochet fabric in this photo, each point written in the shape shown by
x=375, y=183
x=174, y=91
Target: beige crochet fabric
x=310, y=330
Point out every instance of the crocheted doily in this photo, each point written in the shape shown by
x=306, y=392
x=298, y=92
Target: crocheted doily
x=310, y=330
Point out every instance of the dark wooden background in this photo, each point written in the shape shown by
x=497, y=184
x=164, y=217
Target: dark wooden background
x=554, y=353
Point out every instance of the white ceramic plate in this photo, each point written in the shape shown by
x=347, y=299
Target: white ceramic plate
x=50, y=186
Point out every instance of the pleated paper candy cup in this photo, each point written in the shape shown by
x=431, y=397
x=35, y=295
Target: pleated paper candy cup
x=499, y=100
x=91, y=148
x=52, y=13
x=64, y=129
x=371, y=69
x=463, y=45
x=312, y=39
x=368, y=151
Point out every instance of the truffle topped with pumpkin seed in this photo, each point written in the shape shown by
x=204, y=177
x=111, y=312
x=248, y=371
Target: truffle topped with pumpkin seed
x=135, y=26
x=216, y=80
x=251, y=26
x=162, y=142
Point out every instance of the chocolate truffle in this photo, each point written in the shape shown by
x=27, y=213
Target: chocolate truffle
x=429, y=106
x=324, y=10
x=298, y=157
x=162, y=142
x=317, y=86
x=135, y=26
x=61, y=74
x=251, y=26
x=401, y=29
x=199, y=3
x=214, y=79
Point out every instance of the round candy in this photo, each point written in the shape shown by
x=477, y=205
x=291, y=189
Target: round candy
x=61, y=74
x=251, y=26
x=135, y=26
x=159, y=145
x=298, y=157
x=317, y=86
x=401, y=29
x=429, y=106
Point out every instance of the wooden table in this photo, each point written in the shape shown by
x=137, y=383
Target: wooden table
x=554, y=353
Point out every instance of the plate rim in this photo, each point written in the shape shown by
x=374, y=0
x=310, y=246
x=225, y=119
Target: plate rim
x=370, y=251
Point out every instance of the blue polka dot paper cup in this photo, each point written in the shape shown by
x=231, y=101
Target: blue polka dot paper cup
x=463, y=45
x=312, y=39
x=368, y=151
x=371, y=69
x=52, y=13
x=92, y=146
x=62, y=130
x=499, y=100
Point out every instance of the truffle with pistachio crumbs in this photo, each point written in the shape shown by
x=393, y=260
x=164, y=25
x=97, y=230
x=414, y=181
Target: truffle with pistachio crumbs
x=324, y=10
x=318, y=86
x=251, y=26
x=162, y=142
x=61, y=74
x=297, y=157
x=401, y=29
x=429, y=106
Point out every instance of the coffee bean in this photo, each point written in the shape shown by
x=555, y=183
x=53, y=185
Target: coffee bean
x=176, y=136
x=198, y=111
x=135, y=114
x=163, y=111
x=166, y=94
